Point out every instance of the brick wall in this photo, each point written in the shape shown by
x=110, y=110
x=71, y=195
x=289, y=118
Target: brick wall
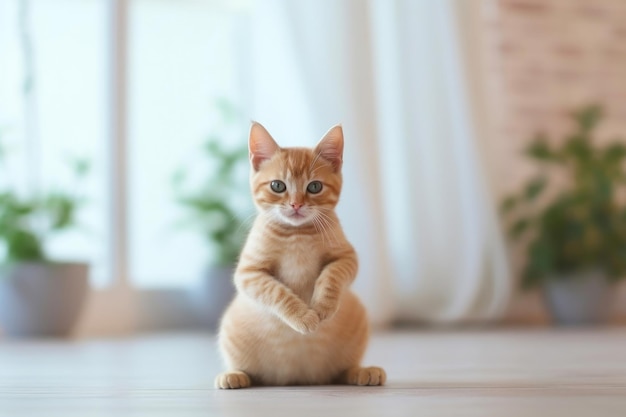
x=543, y=59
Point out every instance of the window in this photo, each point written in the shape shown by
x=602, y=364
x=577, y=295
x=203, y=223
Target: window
x=62, y=114
x=181, y=57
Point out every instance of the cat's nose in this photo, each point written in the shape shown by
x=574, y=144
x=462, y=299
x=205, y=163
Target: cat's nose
x=296, y=206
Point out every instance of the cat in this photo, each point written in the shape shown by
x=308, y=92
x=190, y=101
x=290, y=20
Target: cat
x=294, y=320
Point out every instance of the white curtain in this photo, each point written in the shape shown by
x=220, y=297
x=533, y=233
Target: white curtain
x=414, y=204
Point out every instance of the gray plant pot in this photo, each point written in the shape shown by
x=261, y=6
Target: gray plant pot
x=213, y=296
x=42, y=299
x=579, y=299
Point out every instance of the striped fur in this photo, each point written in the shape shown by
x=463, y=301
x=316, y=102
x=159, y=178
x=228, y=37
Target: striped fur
x=294, y=319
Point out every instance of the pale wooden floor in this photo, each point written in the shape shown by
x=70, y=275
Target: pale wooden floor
x=433, y=373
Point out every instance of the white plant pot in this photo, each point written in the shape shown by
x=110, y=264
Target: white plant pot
x=42, y=298
x=579, y=299
x=214, y=294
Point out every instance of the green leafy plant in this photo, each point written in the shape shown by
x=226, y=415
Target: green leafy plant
x=26, y=222
x=218, y=203
x=579, y=223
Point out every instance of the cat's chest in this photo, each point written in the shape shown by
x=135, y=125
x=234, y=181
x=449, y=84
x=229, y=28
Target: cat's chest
x=298, y=267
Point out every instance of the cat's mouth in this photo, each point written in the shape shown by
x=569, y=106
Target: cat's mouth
x=295, y=217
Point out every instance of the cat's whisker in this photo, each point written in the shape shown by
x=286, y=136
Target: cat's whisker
x=323, y=211
x=327, y=227
x=315, y=170
x=246, y=222
x=332, y=230
x=319, y=229
x=314, y=161
x=326, y=234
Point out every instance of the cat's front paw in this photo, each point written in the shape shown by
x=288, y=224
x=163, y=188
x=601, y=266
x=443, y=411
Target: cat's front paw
x=307, y=323
x=325, y=310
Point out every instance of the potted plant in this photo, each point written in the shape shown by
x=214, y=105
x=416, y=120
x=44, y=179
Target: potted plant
x=38, y=296
x=572, y=221
x=217, y=203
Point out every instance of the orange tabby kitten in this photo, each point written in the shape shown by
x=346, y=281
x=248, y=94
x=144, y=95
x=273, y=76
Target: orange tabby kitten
x=294, y=319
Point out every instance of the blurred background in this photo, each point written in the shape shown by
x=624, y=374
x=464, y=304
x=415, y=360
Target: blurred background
x=483, y=157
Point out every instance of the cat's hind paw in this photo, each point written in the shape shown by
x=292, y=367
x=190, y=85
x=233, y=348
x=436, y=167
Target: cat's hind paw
x=232, y=380
x=372, y=375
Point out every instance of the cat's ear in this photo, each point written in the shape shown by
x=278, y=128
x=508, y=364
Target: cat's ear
x=331, y=147
x=261, y=145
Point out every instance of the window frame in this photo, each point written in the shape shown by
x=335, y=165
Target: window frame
x=119, y=307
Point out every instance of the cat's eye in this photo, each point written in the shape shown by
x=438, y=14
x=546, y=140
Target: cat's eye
x=314, y=187
x=278, y=186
